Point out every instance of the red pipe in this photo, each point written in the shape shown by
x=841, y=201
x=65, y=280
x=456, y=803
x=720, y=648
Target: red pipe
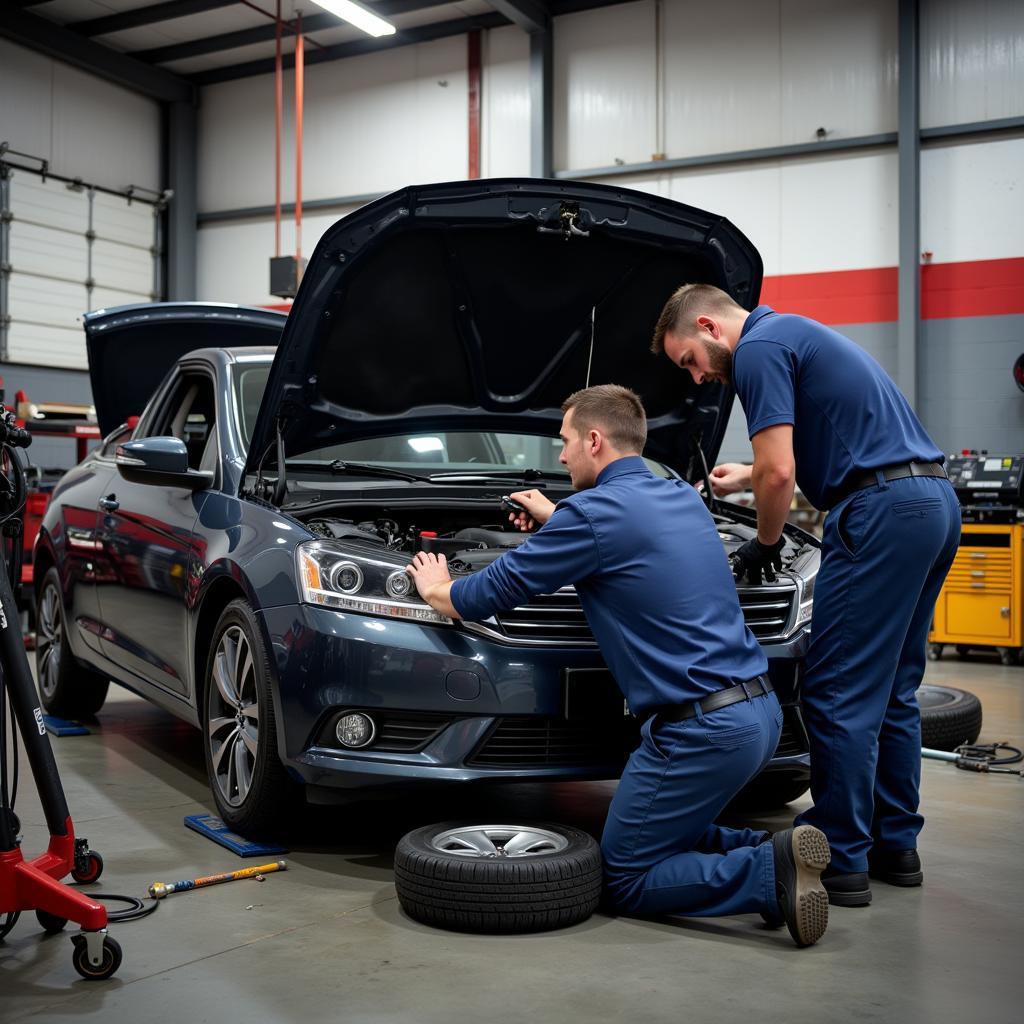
x=300, y=71
x=278, y=105
x=473, y=66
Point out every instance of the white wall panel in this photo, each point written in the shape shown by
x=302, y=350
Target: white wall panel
x=25, y=123
x=234, y=258
x=972, y=60
x=371, y=124
x=85, y=127
x=838, y=62
x=839, y=212
x=716, y=108
x=972, y=200
x=505, y=110
x=605, y=86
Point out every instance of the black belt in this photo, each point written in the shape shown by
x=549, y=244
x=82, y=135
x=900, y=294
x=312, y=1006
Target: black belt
x=860, y=479
x=756, y=687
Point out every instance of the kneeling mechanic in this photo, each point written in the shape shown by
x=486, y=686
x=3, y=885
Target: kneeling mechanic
x=653, y=579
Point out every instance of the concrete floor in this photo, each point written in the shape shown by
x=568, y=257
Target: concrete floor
x=327, y=939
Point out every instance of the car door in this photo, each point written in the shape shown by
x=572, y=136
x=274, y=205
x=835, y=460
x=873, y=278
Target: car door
x=147, y=535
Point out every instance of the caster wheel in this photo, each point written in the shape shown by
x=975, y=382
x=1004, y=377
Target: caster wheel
x=1007, y=656
x=88, y=869
x=8, y=921
x=962, y=651
x=50, y=923
x=96, y=972
x=935, y=652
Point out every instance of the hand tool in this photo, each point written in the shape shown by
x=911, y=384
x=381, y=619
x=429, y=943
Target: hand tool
x=158, y=890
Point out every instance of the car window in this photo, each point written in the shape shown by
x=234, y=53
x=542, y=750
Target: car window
x=188, y=414
x=442, y=450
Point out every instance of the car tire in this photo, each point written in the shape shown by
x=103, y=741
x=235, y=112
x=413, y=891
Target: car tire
x=446, y=876
x=949, y=717
x=67, y=689
x=768, y=791
x=250, y=787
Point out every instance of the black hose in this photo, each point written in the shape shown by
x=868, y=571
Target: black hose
x=136, y=907
x=987, y=753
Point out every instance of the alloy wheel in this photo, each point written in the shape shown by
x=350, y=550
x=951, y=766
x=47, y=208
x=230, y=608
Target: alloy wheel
x=489, y=841
x=233, y=728
x=49, y=641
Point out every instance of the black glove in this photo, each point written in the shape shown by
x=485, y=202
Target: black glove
x=753, y=558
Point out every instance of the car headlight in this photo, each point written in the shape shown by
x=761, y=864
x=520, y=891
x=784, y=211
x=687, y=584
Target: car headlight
x=805, y=571
x=337, y=578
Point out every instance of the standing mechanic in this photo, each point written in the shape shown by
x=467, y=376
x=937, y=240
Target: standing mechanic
x=822, y=412
x=652, y=576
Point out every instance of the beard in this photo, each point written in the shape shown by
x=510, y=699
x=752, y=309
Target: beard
x=719, y=361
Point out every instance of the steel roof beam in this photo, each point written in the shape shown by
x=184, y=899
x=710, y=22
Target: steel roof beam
x=265, y=33
x=55, y=41
x=529, y=15
x=145, y=16
x=354, y=48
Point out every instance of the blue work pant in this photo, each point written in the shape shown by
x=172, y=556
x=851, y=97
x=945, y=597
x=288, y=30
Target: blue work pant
x=886, y=551
x=663, y=854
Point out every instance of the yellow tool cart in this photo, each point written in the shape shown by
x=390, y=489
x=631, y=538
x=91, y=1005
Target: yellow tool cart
x=981, y=604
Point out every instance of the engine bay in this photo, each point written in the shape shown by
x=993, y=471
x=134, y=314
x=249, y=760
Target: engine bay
x=472, y=538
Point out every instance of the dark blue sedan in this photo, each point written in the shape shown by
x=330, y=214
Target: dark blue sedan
x=236, y=553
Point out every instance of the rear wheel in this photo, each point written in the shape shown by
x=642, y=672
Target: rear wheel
x=66, y=688
x=254, y=795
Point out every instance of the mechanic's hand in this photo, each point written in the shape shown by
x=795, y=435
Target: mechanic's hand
x=428, y=571
x=728, y=478
x=753, y=558
x=538, y=510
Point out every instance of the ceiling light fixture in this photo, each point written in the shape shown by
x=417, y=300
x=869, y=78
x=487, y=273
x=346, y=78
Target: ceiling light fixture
x=359, y=16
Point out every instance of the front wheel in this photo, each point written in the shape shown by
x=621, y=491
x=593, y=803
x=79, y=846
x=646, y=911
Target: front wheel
x=66, y=689
x=253, y=794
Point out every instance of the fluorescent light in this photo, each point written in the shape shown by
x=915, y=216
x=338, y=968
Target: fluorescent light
x=358, y=16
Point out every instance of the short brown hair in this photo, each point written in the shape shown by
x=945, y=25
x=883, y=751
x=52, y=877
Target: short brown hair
x=613, y=409
x=685, y=305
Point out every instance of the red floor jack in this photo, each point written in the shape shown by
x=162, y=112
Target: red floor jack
x=35, y=884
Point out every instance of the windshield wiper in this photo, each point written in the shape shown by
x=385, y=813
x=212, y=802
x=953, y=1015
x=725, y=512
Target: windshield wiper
x=358, y=469
x=526, y=475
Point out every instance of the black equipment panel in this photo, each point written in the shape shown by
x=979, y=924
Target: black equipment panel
x=990, y=487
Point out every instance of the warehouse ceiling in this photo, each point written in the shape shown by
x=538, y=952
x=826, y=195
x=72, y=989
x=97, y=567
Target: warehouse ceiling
x=207, y=41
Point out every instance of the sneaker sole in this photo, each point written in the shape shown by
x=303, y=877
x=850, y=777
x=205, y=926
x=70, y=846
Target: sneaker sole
x=812, y=855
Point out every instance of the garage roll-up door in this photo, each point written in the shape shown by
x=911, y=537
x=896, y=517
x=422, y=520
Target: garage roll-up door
x=69, y=248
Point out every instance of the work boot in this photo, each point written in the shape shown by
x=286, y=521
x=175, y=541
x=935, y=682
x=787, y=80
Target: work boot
x=852, y=890
x=801, y=854
x=897, y=867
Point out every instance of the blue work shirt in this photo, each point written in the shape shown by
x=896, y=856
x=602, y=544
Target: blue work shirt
x=652, y=577
x=846, y=412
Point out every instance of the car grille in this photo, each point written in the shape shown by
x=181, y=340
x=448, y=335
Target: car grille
x=555, y=743
x=558, y=618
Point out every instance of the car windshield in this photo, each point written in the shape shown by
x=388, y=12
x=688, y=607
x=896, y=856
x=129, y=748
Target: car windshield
x=473, y=452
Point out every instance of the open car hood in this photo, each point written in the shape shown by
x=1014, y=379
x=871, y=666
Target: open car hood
x=484, y=304
x=131, y=348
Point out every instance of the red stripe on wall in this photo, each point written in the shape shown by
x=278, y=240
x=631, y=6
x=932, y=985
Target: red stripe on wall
x=971, y=288
x=977, y=288
x=835, y=297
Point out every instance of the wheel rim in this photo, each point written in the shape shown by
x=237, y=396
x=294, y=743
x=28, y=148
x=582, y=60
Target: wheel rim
x=49, y=640
x=233, y=728
x=488, y=841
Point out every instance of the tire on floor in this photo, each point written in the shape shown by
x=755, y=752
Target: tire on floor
x=498, y=878
x=949, y=717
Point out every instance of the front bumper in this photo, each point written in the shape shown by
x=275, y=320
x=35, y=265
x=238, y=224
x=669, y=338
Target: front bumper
x=482, y=693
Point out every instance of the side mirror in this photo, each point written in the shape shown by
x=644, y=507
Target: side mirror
x=159, y=460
